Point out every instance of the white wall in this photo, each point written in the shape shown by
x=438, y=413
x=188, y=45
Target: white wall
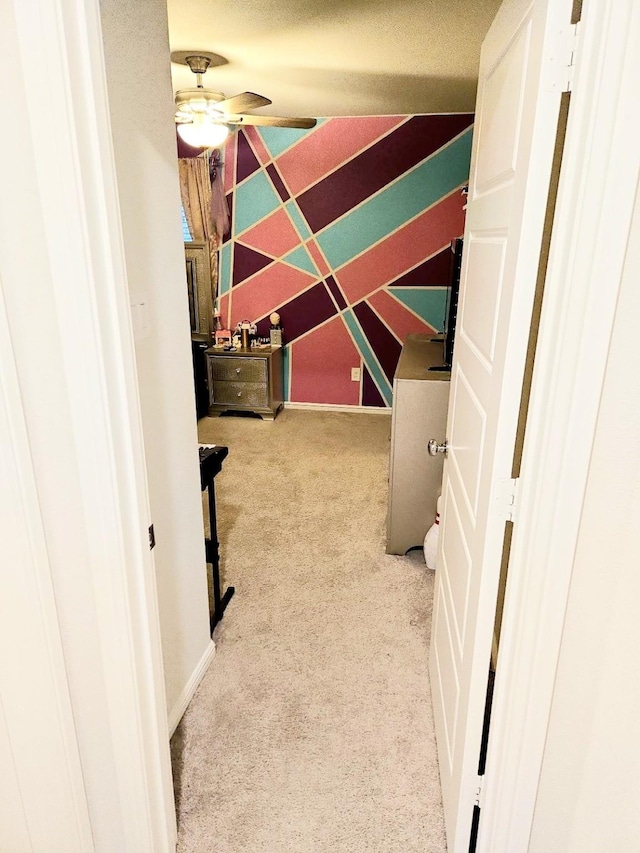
x=590, y=783
x=29, y=298
x=141, y=105
x=81, y=687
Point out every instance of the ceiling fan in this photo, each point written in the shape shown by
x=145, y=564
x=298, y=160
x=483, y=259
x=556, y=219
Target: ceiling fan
x=204, y=117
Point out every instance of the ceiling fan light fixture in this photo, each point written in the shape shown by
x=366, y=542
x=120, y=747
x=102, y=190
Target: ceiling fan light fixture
x=203, y=133
x=198, y=105
x=203, y=116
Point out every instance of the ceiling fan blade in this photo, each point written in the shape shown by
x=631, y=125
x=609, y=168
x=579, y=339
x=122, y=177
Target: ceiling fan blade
x=273, y=121
x=243, y=101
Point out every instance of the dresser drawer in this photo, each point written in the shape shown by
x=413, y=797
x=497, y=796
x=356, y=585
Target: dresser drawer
x=229, y=369
x=241, y=394
x=245, y=381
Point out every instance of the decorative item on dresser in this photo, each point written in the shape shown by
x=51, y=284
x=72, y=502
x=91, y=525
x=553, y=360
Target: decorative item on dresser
x=420, y=400
x=245, y=381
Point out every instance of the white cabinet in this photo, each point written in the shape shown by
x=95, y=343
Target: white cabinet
x=420, y=401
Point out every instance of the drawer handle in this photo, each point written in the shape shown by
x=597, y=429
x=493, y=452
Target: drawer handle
x=237, y=370
x=239, y=393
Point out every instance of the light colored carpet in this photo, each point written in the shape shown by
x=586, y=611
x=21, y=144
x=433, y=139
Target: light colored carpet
x=312, y=730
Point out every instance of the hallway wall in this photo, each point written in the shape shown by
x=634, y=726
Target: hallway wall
x=344, y=230
x=141, y=105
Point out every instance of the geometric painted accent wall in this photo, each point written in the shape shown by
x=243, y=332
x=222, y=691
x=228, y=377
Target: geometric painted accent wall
x=344, y=229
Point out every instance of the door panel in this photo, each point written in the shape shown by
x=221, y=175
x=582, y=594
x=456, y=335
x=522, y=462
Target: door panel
x=485, y=276
x=457, y=567
x=516, y=119
x=467, y=436
x=503, y=101
x=444, y=667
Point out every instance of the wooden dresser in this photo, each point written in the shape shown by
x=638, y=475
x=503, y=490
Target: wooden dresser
x=245, y=380
x=420, y=402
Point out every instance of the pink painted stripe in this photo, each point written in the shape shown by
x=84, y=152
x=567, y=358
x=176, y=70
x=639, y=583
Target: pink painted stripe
x=322, y=151
x=258, y=145
x=401, y=321
x=318, y=257
x=273, y=286
x=275, y=235
x=321, y=366
x=403, y=249
x=229, y=157
x=223, y=308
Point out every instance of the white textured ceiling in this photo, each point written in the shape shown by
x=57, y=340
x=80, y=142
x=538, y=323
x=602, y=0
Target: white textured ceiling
x=337, y=57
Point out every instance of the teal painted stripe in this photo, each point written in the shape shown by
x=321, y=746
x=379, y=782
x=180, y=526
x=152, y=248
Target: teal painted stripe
x=186, y=234
x=427, y=302
x=224, y=274
x=368, y=356
x=254, y=199
x=278, y=139
x=301, y=259
x=286, y=368
x=397, y=204
x=298, y=220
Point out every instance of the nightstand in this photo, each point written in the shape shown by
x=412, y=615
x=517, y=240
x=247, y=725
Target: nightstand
x=245, y=380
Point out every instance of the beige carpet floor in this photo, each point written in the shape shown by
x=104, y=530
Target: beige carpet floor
x=312, y=729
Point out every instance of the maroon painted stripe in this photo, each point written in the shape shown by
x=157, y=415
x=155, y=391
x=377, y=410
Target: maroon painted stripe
x=383, y=162
x=302, y=313
x=246, y=161
x=246, y=262
x=228, y=235
x=276, y=180
x=337, y=293
x=370, y=394
x=384, y=344
x=185, y=150
x=432, y=273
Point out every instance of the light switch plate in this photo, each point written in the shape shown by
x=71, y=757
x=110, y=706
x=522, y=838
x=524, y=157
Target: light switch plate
x=140, y=316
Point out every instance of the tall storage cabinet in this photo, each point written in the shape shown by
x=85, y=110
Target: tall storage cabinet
x=420, y=402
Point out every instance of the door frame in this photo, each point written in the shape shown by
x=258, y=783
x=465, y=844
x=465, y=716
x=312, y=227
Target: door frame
x=596, y=194
x=593, y=214
x=57, y=74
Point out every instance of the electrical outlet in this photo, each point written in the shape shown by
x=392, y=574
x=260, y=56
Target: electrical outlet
x=355, y=374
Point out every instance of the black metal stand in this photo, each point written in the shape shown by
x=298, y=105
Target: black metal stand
x=211, y=459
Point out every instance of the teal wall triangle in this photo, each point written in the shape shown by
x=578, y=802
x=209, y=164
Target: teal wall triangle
x=301, y=259
x=224, y=276
x=278, y=139
x=255, y=198
x=427, y=302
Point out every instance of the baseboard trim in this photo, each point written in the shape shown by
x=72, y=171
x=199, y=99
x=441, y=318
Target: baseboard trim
x=190, y=688
x=328, y=407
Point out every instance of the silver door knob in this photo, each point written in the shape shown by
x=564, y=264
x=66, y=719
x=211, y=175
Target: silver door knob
x=434, y=448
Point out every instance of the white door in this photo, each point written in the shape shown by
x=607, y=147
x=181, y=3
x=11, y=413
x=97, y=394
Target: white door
x=516, y=121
